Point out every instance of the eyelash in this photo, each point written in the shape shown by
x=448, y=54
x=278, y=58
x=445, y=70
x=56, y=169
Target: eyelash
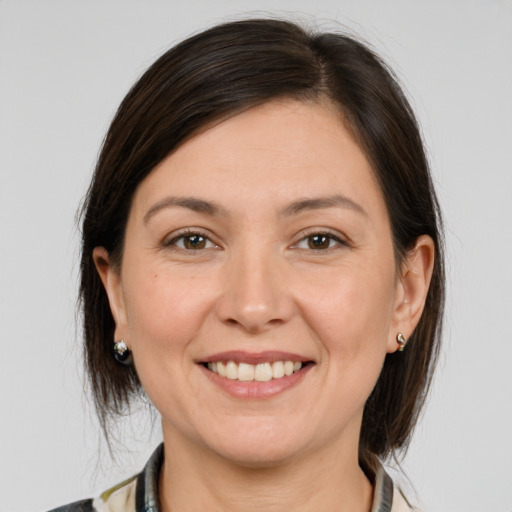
x=189, y=233
x=331, y=237
x=339, y=242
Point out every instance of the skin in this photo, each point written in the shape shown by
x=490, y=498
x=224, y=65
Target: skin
x=259, y=283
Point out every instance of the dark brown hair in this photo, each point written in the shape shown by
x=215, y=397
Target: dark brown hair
x=219, y=73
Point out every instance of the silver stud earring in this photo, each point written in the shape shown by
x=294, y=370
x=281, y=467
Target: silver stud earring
x=122, y=353
x=400, y=339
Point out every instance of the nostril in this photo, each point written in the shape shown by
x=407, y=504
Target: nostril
x=252, y=326
x=254, y=308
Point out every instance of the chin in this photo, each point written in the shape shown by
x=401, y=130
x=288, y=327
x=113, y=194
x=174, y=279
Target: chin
x=259, y=445
x=259, y=457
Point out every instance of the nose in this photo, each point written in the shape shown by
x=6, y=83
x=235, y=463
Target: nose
x=255, y=295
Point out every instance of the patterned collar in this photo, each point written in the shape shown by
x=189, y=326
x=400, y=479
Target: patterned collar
x=146, y=496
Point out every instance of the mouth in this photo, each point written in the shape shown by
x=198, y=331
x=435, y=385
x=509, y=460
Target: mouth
x=252, y=374
x=261, y=372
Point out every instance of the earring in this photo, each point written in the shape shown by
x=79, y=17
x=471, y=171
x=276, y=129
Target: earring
x=400, y=339
x=122, y=353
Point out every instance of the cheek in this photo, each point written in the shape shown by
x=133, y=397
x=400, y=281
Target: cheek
x=351, y=309
x=350, y=316
x=164, y=311
x=165, y=314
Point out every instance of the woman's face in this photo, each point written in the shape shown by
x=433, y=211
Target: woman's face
x=261, y=242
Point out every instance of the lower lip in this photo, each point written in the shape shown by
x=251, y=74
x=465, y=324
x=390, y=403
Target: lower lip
x=254, y=389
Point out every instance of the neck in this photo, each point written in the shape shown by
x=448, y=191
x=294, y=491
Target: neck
x=329, y=480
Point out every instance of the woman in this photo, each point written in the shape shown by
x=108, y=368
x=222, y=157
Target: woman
x=262, y=257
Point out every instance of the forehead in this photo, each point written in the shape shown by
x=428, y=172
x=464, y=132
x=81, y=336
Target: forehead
x=267, y=156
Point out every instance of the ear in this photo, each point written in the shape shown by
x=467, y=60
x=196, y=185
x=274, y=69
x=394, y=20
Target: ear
x=111, y=279
x=411, y=290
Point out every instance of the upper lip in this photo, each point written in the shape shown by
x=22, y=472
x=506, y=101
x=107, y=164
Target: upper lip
x=241, y=356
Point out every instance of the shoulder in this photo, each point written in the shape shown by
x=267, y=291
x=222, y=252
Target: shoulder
x=400, y=504
x=120, y=498
x=387, y=495
x=77, y=506
x=139, y=492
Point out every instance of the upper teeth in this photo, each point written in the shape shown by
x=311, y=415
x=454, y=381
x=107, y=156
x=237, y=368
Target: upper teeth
x=261, y=372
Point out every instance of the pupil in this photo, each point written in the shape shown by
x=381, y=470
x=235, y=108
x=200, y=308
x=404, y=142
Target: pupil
x=319, y=242
x=194, y=242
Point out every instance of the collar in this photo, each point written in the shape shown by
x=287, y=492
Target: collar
x=146, y=497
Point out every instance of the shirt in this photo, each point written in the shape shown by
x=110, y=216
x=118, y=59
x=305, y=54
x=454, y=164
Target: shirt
x=140, y=493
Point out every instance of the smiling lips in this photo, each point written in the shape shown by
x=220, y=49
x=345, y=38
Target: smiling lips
x=256, y=375
x=262, y=372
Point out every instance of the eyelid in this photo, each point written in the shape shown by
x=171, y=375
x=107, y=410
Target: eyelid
x=169, y=241
x=341, y=240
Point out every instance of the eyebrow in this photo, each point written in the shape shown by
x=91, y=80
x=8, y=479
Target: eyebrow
x=192, y=203
x=318, y=203
x=211, y=208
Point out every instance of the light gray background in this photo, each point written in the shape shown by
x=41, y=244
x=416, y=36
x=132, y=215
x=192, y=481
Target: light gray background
x=65, y=66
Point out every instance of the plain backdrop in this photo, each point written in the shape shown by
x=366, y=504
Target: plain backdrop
x=64, y=68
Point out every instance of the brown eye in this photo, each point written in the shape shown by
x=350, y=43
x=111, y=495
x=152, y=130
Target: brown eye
x=319, y=241
x=192, y=242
